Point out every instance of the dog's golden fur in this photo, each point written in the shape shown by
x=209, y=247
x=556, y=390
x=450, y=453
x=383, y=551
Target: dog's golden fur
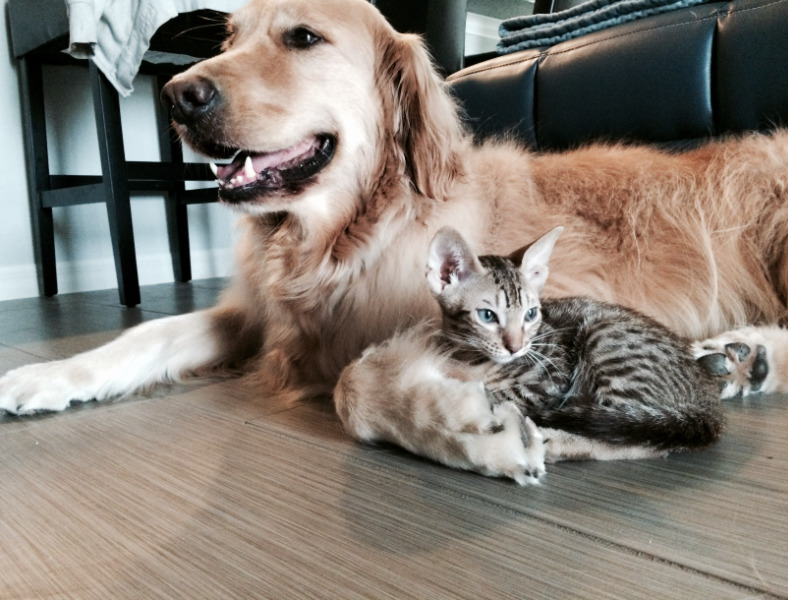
x=696, y=239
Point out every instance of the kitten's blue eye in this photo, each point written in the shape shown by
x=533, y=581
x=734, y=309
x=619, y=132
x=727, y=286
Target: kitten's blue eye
x=531, y=314
x=487, y=316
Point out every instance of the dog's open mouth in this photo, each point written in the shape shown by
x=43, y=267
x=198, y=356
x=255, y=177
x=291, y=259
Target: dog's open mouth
x=254, y=174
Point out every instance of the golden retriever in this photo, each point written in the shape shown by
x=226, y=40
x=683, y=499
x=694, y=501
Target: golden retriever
x=346, y=154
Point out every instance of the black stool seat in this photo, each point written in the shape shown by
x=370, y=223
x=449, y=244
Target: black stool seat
x=39, y=33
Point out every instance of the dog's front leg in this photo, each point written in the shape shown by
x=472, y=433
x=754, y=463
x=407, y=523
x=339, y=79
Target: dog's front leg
x=156, y=351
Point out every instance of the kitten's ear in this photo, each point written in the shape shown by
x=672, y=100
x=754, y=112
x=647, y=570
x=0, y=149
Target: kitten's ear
x=450, y=259
x=534, y=257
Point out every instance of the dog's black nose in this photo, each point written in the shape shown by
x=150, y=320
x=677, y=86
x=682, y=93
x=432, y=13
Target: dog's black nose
x=189, y=99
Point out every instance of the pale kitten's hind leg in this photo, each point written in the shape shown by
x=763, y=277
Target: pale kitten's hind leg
x=747, y=361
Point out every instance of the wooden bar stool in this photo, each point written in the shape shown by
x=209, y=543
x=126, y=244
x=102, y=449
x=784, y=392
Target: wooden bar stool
x=39, y=34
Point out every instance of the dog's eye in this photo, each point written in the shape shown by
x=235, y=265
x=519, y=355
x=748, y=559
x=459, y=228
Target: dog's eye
x=301, y=37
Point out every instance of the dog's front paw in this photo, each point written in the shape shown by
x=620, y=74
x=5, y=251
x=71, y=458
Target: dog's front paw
x=738, y=361
x=41, y=387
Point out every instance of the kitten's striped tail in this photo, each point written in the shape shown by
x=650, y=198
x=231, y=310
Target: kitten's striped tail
x=684, y=427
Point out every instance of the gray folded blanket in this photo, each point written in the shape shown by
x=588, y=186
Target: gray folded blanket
x=533, y=31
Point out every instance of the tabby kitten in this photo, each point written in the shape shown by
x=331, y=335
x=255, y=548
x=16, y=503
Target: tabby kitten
x=599, y=380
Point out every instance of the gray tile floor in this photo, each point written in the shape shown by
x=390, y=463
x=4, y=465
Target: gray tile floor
x=210, y=491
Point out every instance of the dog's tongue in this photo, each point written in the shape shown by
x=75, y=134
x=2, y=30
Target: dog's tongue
x=263, y=161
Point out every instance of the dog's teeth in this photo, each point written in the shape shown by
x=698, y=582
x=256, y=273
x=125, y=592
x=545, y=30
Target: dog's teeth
x=214, y=169
x=249, y=168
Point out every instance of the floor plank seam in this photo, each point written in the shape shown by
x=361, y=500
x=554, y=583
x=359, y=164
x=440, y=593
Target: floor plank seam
x=37, y=358
x=634, y=552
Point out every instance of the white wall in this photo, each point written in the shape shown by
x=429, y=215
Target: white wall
x=481, y=34
x=17, y=271
x=83, y=250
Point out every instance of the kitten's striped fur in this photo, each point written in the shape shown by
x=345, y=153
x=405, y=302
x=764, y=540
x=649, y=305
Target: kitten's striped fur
x=598, y=370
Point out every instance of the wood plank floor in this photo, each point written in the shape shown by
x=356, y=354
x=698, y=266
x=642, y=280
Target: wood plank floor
x=210, y=491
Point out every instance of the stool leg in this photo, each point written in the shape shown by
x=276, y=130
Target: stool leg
x=116, y=186
x=35, y=132
x=177, y=218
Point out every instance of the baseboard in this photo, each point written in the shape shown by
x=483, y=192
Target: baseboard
x=22, y=282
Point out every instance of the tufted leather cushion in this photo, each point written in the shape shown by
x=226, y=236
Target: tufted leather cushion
x=679, y=76
x=751, y=74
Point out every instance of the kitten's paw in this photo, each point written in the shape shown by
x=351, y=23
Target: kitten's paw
x=471, y=411
x=520, y=451
x=535, y=449
x=739, y=360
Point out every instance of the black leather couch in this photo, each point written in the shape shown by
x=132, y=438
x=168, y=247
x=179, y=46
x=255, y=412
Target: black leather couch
x=669, y=79
x=440, y=22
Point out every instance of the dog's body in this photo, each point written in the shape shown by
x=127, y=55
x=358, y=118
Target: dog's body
x=357, y=157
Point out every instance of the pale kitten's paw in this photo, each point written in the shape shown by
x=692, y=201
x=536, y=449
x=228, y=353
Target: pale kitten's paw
x=740, y=361
x=471, y=411
x=533, y=441
x=518, y=450
x=496, y=439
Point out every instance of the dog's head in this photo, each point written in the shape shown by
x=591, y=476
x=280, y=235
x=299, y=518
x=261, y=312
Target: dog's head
x=306, y=102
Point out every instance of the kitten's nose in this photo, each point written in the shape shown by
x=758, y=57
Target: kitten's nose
x=513, y=341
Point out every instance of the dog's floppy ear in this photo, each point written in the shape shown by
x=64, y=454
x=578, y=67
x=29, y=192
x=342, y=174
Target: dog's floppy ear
x=423, y=115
